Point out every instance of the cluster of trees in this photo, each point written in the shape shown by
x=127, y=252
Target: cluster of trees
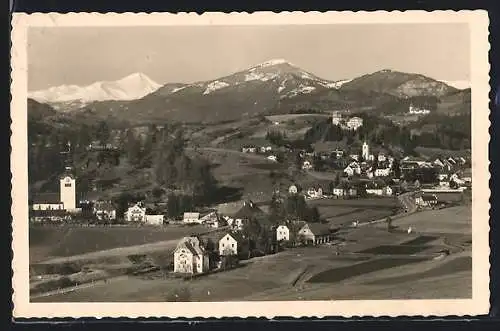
x=276, y=137
x=292, y=207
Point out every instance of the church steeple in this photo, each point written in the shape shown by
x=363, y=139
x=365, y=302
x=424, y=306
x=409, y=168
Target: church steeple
x=68, y=159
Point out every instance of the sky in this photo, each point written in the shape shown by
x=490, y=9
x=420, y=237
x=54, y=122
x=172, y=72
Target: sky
x=167, y=54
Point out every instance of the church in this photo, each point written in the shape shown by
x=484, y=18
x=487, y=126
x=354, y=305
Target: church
x=55, y=205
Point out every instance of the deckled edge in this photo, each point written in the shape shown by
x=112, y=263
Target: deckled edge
x=55, y=15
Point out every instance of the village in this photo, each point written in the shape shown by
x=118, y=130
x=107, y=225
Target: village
x=416, y=183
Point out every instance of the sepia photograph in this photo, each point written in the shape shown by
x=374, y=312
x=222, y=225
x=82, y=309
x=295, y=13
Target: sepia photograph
x=253, y=162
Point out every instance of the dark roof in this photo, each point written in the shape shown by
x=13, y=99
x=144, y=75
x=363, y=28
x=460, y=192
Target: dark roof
x=46, y=198
x=249, y=210
x=319, y=229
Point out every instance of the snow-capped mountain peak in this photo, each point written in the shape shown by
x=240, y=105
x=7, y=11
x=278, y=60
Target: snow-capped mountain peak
x=131, y=87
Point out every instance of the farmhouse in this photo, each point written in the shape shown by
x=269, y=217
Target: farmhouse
x=314, y=233
x=191, y=218
x=228, y=245
x=104, y=210
x=272, y=158
x=136, y=213
x=211, y=219
x=282, y=233
x=190, y=257
x=293, y=189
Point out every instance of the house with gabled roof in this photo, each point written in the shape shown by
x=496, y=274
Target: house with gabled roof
x=136, y=213
x=248, y=211
x=104, y=210
x=314, y=233
x=230, y=244
x=282, y=233
x=190, y=257
x=191, y=218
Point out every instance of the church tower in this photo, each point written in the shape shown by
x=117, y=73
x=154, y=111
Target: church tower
x=67, y=183
x=365, y=153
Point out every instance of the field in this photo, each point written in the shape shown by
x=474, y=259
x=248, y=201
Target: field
x=366, y=263
x=50, y=242
x=342, y=212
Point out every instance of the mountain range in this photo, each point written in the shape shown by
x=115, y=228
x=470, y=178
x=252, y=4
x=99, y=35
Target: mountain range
x=134, y=86
x=275, y=86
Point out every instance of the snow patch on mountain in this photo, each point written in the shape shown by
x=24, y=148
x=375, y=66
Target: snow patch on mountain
x=264, y=77
x=131, y=87
x=178, y=89
x=336, y=84
x=282, y=86
x=458, y=84
x=214, y=86
x=302, y=89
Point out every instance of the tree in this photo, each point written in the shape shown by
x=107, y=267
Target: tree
x=337, y=180
x=396, y=168
x=133, y=147
x=103, y=132
x=173, y=205
x=314, y=215
x=331, y=186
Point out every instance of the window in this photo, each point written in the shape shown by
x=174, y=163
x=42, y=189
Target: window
x=67, y=185
x=223, y=245
x=232, y=245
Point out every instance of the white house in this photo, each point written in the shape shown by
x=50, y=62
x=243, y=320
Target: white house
x=438, y=162
x=349, y=171
x=293, y=189
x=155, y=219
x=191, y=218
x=282, y=233
x=381, y=157
x=272, y=158
x=211, y=219
x=190, y=257
x=339, y=191
x=136, y=214
x=315, y=193
x=228, y=245
x=382, y=172
x=387, y=191
x=417, y=110
x=314, y=233
x=306, y=165
x=354, y=123
x=104, y=210
x=374, y=191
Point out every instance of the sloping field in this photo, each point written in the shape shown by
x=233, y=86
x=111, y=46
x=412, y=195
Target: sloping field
x=46, y=242
x=340, y=211
x=454, y=220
